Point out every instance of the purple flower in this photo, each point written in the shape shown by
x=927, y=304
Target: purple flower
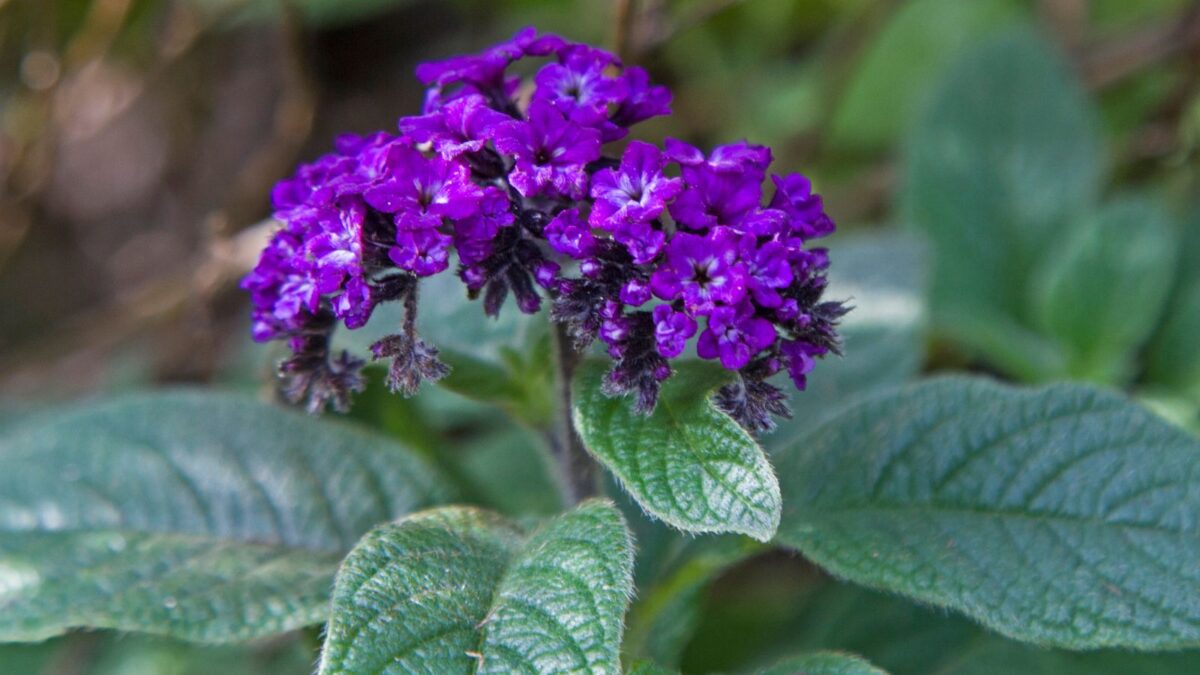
x=672, y=330
x=724, y=190
x=635, y=292
x=551, y=152
x=642, y=100
x=486, y=69
x=642, y=240
x=473, y=235
x=423, y=252
x=460, y=126
x=767, y=269
x=740, y=157
x=799, y=356
x=794, y=196
x=636, y=192
x=570, y=235
x=578, y=87
x=735, y=335
x=703, y=270
x=421, y=191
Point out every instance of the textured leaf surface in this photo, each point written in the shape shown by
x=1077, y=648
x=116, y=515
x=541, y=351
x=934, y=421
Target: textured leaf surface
x=1102, y=293
x=462, y=590
x=823, y=663
x=201, y=516
x=1006, y=152
x=1064, y=515
x=688, y=463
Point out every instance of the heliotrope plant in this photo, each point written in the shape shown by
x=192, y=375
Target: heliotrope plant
x=1064, y=516
x=643, y=248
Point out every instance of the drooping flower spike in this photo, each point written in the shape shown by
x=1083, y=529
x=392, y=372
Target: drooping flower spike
x=663, y=246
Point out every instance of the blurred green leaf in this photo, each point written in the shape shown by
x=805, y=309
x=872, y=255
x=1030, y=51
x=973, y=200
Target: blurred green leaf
x=1173, y=359
x=823, y=663
x=1100, y=293
x=668, y=608
x=1004, y=156
x=901, y=64
x=687, y=463
x=646, y=667
x=198, y=515
x=326, y=13
x=509, y=470
x=461, y=590
x=1060, y=515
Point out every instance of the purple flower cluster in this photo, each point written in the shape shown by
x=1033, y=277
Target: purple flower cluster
x=644, y=251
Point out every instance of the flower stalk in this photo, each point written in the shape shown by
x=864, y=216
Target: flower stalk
x=576, y=468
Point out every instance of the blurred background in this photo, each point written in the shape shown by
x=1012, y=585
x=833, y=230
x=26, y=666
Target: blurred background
x=1032, y=165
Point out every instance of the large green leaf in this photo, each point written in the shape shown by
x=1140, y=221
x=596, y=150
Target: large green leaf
x=1005, y=154
x=1062, y=516
x=823, y=663
x=461, y=590
x=904, y=60
x=687, y=463
x=202, y=516
x=1102, y=292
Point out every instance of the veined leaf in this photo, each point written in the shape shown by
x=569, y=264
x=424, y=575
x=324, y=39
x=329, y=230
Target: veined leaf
x=687, y=463
x=200, y=516
x=1064, y=515
x=459, y=590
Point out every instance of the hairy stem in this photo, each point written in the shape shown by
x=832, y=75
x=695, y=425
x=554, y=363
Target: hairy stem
x=577, y=470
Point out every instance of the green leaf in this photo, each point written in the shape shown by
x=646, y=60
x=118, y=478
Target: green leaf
x=882, y=275
x=646, y=667
x=1061, y=516
x=201, y=516
x=687, y=463
x=462, y=590
x=1173, y=359
x=1102, y=292
x=919, y=42
x=823, y=663
x=1005, y=154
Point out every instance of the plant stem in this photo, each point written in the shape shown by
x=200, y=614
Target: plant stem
x=576, y=468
